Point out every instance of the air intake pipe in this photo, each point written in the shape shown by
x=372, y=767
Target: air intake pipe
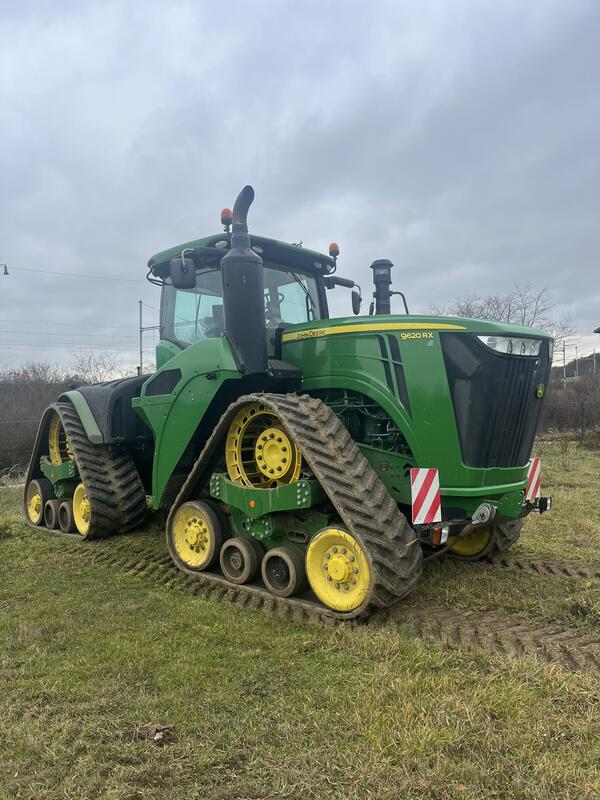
x=382, y=278
x=243, y=292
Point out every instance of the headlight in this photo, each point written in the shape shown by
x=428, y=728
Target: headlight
x=512, y=345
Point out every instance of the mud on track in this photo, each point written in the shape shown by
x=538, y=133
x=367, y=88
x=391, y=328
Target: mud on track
x=506, y=633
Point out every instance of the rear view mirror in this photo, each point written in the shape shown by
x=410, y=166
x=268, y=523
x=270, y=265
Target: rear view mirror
x=183, y=273
x=356, y=302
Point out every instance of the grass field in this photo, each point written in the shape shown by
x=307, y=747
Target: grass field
x=264, y=708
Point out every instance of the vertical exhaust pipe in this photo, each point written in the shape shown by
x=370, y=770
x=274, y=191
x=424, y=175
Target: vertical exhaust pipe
x=243, y=292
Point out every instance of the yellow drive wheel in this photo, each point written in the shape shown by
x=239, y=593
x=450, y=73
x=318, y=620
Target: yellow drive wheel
x=82, y=510
x=473, y=546
x=258, y=450
x=196, y=534
x=59, y=449
x=338, y=569
x=37, y=495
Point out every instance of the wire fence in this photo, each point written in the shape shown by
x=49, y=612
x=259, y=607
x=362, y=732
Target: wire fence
x=581, y=416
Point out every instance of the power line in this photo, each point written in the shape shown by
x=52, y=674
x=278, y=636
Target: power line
x=63, y=324
x=72, y=335
x=59, y=346
x=77, y=275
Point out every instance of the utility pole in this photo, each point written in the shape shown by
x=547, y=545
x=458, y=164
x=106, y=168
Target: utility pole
x=141, y=342
x=140, y=368
x=576, y=364
x=564, y=366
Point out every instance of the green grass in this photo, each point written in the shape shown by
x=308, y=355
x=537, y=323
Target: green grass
x=261, y=708
x=571, y=474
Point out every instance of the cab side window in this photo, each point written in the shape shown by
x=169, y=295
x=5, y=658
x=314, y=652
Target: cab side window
x=198, y=312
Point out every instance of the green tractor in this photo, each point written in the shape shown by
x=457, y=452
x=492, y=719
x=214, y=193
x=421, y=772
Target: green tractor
x=313, y=459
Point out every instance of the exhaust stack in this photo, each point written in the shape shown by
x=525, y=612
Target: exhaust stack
x=243, y=292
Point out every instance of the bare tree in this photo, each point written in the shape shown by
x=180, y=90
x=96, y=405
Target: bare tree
x=24, y=394
x=525, y=304
x=93, y=366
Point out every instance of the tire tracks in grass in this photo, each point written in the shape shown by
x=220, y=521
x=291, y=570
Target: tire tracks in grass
x=515, y=635
x=541, y=566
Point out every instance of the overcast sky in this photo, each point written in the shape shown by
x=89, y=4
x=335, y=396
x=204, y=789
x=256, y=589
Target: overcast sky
x=460, y=139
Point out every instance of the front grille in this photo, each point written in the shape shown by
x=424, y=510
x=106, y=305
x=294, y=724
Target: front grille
x=494, y=397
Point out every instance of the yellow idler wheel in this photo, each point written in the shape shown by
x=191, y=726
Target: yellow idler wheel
x=195, y=535
x=473, y=546
x=258, y=450
x=82, y=510
x=338, y=569
x=37, y=495
x=59, y=449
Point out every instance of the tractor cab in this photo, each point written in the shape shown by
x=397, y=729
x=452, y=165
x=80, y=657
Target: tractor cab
x=294, y=289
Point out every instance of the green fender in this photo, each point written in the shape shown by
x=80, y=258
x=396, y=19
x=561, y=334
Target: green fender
x=92, y=431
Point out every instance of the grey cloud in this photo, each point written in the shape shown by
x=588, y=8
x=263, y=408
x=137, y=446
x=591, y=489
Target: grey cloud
x=458, y=139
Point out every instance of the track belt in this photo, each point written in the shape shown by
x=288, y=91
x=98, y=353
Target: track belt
x=360, y=498
x=110, y=477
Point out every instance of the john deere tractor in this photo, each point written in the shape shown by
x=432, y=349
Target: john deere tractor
x=314, y=459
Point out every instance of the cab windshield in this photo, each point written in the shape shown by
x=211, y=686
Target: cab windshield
x=191, y=315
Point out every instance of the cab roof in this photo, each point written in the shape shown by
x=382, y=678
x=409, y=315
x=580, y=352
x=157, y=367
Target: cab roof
x=272, y=250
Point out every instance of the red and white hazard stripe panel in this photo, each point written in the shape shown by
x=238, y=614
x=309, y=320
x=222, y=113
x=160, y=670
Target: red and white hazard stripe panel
x=425, y=495
x=534, y=479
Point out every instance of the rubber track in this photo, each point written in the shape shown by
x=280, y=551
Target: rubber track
x=110, y=478
x=510, y=634
x=360, y=498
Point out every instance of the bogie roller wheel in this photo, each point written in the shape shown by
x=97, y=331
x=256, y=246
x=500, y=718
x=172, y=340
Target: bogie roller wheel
x=283, y=571
x=36, y=497
x=240, y=559
x=339, y=569
x=484, y=542
x=51, y=514
x=66, y=520
x=195, y=535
